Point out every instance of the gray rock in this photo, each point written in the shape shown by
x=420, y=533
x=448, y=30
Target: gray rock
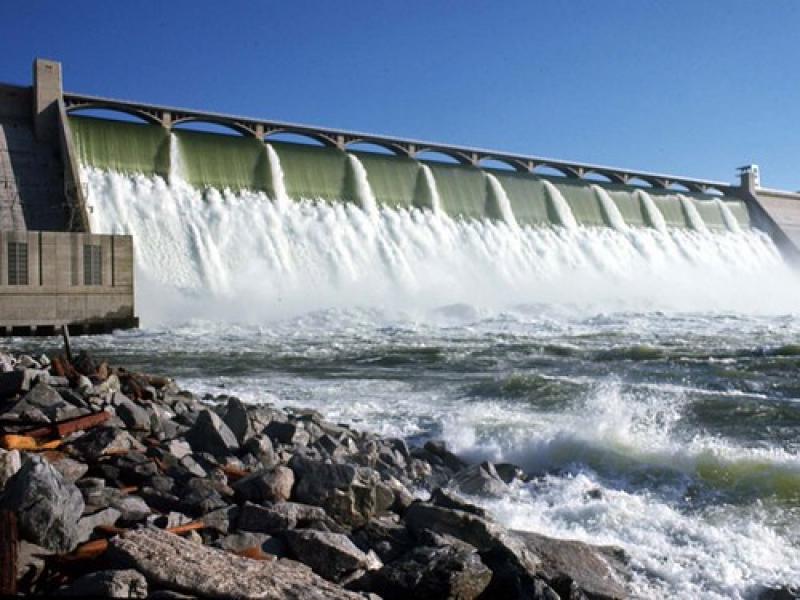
x=104, y=440
x=47, y=507
x=514, y=566
x=71, y=470
x=447, y=499
x=126, y=583
x=44, y=400
x=278, y=517
x=243, y=541
x=386, y=536
x=274, y=485
x=88, y=523
x=260, y=446
x=177, y=564
x=287, y=433
x=134, y=416
x=509, y=472
x=131, y=508
x=479, y=480
x=350, y=494
x=210, y=434
x=427, y=573
x=10, y=463
x=179, y=448
x=331, y=555
x=236, y=417
x=572, y=567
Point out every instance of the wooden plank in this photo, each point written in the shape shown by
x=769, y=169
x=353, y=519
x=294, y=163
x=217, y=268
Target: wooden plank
x=64, y=428
x=9, y=538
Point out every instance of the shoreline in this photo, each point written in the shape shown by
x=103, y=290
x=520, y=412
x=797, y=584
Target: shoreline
x=121, y=484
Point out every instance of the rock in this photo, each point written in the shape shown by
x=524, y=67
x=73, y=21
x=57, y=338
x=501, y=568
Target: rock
x=210, y=434
x=105, y=440
x=287, y=433
x=88, y=523
x=513, y=564
x=134, y=416
x=10, y=463
x=331, y=555
x=84, y=364
x=179, y=448
x=427, y=573
x=71, y=470
x=447, y=499
x=126, y=583
x=245, y=541
x=30, y=564
x=44, y=400
x=176, y=564
x=571, y=567
x=447, y=458
x=132, y=508
x=785, y=592
x=278, y=517
x=509, y=473
x=235, y=416
x=47, y=507
x=274, y=485
x=260, y=446
x=479, y=480
x=387, y=537
x=350, y=494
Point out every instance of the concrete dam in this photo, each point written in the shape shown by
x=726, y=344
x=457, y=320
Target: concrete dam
x=273, y=218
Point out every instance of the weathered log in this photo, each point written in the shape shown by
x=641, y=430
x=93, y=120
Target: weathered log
x=9, y=538
x=11, y=441
x=64, y=428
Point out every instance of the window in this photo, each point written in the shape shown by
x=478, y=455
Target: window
x=92, y=265
x=17, y=263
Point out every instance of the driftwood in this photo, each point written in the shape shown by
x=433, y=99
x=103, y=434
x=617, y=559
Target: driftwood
x=10, y=441
x=64, y=428
x=9, y=538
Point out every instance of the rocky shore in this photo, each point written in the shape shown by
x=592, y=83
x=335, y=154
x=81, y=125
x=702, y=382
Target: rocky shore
x=120, y=484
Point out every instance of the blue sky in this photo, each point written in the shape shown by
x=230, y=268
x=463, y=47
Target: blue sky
x=694, y=88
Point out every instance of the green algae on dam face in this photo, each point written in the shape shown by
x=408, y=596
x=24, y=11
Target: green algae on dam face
x=121, y=146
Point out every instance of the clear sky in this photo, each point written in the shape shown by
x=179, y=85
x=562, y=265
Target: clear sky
x=690, y=87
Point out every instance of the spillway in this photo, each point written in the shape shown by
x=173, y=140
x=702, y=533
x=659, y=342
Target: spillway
x=223, y=220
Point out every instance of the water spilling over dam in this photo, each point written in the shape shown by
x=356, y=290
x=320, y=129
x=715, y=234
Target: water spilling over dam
x=229, y=221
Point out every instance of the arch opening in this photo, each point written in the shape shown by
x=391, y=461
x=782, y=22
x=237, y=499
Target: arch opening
x=295, y=138
x=207, y=126
x=639, y=182
x=438, y=156
x=111, y=114
x=597, y=176
x=498, y=164
x=372, y=148
x=549, y=171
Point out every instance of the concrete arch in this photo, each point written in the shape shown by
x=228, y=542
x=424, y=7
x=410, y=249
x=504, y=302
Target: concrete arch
x=130, y=111
x=393, y=149
x=233, y=126
x=516, y=165
x=459, y=157
x=319, y=138
x=560, y=170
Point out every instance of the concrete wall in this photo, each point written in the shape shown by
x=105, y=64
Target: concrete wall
x=784, y=209
x=57, y=293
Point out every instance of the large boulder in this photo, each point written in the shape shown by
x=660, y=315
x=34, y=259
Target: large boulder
x=10, y=463
x=427, y=573
x=43, y=403
x=48, y=507
x=479, y=480
x=174, y=563
x=350, y=494
x=210, y=434
x=331, y=555
x=235, y=416
x=279, y=517
x=273, y=485
x=572, y=567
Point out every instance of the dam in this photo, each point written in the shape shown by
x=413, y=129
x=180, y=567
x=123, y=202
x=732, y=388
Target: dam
x=215, y=201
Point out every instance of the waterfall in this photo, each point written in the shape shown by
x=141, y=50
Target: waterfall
x=177, y=170
x=731, y=222
x=613, y=217
x=560, y=207
x=693, y=216
x=276, y=175
x=366, y=198
x=652, y=213
x=503, y=205
x=430, y=182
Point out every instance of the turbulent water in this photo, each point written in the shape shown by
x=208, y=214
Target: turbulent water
x=645, y=377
